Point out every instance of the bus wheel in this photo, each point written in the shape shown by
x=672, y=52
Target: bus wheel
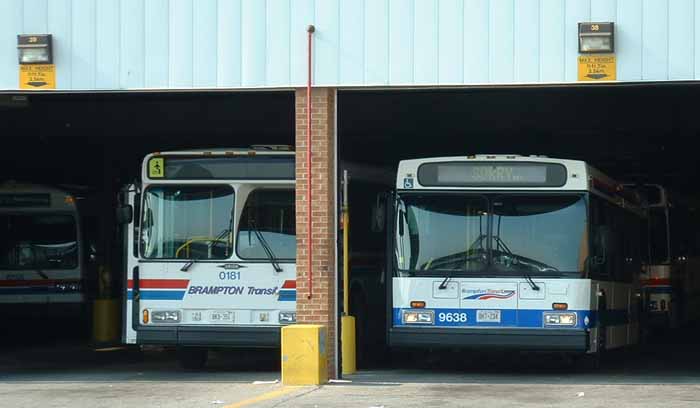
x=192, y=358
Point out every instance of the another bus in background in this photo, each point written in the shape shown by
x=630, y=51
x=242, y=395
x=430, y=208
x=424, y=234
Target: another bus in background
x=43, y=250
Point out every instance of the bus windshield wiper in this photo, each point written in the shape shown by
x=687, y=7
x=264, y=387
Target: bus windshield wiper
x=186, y=267
x=266, y=247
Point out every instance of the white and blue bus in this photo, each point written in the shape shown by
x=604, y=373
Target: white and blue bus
x=43, y=250
x=512, y=252
x=211, y=250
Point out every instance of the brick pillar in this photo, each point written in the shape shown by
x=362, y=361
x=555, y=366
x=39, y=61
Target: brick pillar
x=320, y=309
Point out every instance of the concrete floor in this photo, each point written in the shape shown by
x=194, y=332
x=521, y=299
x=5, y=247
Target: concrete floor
x=71, y=374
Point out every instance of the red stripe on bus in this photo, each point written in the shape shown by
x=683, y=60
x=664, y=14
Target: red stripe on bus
x=289, y=284
x=657, y=281
x=160, y=283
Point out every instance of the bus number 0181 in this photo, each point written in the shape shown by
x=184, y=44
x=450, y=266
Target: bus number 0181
x=230, y=275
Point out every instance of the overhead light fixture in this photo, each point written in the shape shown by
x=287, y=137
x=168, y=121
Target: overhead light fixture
x=34, y=49
x=596, y=38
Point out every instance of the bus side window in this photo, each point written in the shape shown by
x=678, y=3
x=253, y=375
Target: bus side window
x=599, y=259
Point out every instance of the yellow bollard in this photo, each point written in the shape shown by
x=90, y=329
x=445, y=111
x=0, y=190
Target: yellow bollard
x=347, y=328
x=304, y=355
x=105, y=321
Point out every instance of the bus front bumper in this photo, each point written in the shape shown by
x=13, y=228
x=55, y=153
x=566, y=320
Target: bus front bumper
x=207, y=336
x=569, y=340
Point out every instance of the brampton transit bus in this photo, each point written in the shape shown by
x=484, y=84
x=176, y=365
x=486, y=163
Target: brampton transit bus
x=211, y=251
x=43, y=262
x=670, y=282
x=512, y=252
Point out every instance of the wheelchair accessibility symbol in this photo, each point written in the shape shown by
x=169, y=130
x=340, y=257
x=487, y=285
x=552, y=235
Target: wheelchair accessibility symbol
x=408, y=182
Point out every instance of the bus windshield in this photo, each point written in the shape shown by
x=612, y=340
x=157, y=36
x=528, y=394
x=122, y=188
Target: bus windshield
x=491, y=234
x=38, y=241
x=268, y=226
x=187, y=222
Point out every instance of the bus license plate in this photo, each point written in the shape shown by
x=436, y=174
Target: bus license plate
x=488, y=316
x=221, y=317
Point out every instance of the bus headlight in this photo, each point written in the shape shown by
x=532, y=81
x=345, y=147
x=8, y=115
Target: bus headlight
x=288, y=317
x=418, y=317
x=560, y=319
x=165, y=316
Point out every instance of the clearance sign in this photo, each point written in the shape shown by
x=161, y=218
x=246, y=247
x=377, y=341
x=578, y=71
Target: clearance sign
x=597, y=68
x=37, y=76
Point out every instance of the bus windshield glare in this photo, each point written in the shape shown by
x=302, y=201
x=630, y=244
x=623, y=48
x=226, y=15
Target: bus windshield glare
x=491, y=234
x=38, y=241
x=187, y=222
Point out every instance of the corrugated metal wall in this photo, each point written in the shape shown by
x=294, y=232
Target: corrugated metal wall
x=129, y=44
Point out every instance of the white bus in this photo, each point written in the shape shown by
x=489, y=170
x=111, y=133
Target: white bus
x=670, y=282
x=213, y=261
x=42, y=249
x=512, y=252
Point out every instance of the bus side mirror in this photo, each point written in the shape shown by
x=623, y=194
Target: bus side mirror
x=379, y=214
x=125, y=214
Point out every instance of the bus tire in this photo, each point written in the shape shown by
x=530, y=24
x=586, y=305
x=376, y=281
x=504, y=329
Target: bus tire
x=192, y=358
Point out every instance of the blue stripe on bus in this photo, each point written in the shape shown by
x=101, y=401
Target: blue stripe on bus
x=287, y=295
x=524, y=318
x=158, y=294
x=659, y=289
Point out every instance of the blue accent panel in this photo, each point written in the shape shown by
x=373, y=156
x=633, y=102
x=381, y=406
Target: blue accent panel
x=577, y=11
x=655, y=39
x=425, y=42
x=659, y=289
x=287, y=296
x=451, y=38
x=351, y=39
x=603, y=10
x=228, y=70
x=108, y=51
x=527, y=41
x=326, y=40
x=35, y=16
x=278, y=54
x=181, y=44
x=253, y=42
x=158, y=294
x=509, y=318
x=132, y=62
x=302, y=16
x=376, y=42
x=157, y=43
x=11, y=22
x=204, y=43
x=60, y=25
x=476, y=41
x=401, y=35
x=501, y=40
x=552, y=41
x=680, y=40
x=83, y=40
x=628, y=39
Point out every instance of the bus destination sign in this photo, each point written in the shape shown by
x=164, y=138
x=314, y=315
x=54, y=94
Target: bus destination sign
x=492, y=174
